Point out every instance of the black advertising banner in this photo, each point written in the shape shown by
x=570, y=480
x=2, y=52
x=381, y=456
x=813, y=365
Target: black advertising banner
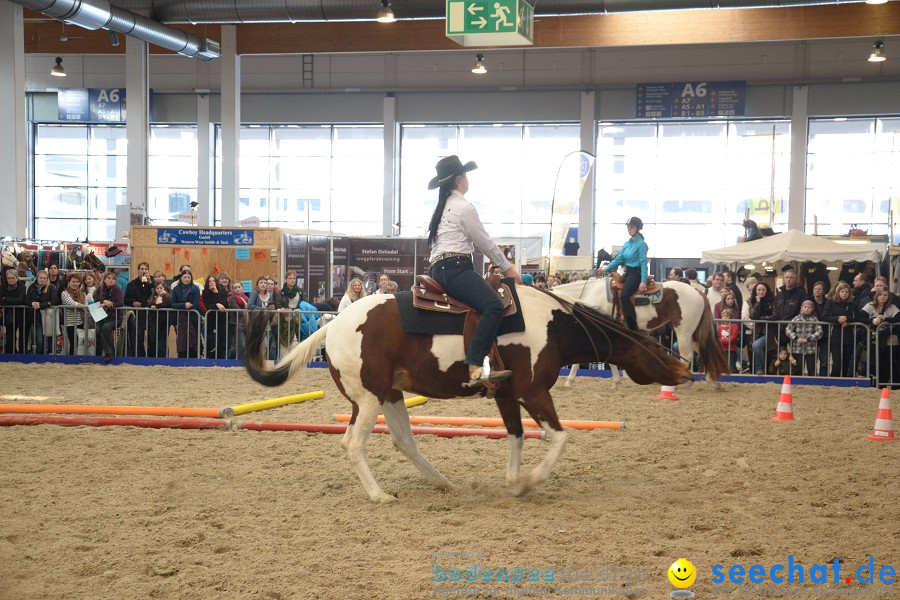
x=395, y=257
x=423, y=253
x=339, y=276
x=318, y=253
x=691, y=99
x=295, y=258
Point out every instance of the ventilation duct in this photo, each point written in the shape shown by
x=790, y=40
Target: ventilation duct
x=280, y=11
x=97, y=14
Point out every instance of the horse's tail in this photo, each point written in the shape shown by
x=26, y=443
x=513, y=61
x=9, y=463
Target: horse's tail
x=290, y=363
x=708, y=345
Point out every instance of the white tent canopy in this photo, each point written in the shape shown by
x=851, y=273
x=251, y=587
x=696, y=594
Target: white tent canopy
x=793, y=246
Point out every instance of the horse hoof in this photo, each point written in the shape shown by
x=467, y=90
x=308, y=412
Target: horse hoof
x=519, y=488
x=385, y=498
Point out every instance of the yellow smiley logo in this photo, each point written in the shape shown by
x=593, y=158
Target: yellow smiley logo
x=682, y=573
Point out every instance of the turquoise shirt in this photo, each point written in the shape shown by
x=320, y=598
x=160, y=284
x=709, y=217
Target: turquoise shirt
x=633, y=254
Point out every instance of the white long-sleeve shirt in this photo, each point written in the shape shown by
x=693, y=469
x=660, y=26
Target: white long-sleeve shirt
x=460, y=230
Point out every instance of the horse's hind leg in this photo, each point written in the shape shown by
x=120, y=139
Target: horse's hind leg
x=512, y=419
x=356, y=445
x=573, y=372
x=541, y=409
x=397, y=418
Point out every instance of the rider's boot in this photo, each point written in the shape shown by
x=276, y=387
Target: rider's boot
x=477, y=379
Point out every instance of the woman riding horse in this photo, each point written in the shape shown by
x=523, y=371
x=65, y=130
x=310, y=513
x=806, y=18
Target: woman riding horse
x=453, y=234
x=634, y=256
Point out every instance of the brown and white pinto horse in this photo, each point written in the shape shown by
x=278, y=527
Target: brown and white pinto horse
x=373, y=362
x=682, y=308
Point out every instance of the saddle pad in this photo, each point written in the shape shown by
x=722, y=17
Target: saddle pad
x=414, y=320
x=645, y=299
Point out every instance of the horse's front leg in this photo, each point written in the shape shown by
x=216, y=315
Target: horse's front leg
x=397, y=418
x=512, y=419
x=540, y=407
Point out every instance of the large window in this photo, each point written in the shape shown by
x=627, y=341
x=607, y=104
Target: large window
x=324, y=177
x=512, y=187
x=79, y=178
x=80, y=175
x=172, y=172
x=853, y=174
x=692, y=183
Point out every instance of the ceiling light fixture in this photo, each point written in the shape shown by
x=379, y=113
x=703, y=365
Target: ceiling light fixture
x=113, y=38
x=876, y=1
x=876, y=55
x=479, y=69
x=58, y=70
x=385, y=14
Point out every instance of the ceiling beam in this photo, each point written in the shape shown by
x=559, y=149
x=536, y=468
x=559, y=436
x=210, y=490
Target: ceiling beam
x=684, y=27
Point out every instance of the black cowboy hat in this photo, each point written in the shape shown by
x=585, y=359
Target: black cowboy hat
x=635, y=222
x=449, y=167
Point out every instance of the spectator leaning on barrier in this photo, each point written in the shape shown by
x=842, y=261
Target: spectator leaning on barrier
x=158, y=321
x=805, y=332
x=110, y=297
x=763, y=334
x=882, y=314
x=237, y=299
x=213, y=301
x=784, y=364
x=12, y=298
x=841, y=311
x=42, y=322
x=137, y=295
x=728, y=333
x=186, y=297
x=73, y=316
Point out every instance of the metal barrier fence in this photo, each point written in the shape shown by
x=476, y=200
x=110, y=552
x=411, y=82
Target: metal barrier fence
x=752, y=347
x=149, y=332
x=854, y=351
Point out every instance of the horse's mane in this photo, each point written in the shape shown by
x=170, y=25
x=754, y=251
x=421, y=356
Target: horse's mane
x=604, y=324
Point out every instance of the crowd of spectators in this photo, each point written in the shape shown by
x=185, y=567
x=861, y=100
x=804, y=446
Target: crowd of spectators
x=58, y=313
x=850, y=331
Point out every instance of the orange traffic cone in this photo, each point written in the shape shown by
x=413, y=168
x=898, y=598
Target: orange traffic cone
x=785, y=409
x=668, y=393
x=884, y=422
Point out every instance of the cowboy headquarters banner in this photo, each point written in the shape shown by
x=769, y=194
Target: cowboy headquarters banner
x=204, y=237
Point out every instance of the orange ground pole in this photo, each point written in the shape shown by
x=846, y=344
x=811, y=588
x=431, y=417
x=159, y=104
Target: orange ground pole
x=11, y=421
x=335, y=428
x=492, y=422
x=73, y=409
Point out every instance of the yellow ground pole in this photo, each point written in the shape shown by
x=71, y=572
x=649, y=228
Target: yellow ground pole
x=415, y=401
x=242, y=409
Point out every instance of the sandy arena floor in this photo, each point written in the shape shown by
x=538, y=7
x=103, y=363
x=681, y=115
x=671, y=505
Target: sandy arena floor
x=126, y=513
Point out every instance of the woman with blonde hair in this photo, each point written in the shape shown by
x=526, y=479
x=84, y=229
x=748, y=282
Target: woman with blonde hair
x=42, y=296
x=840, y=310
x=355, y=291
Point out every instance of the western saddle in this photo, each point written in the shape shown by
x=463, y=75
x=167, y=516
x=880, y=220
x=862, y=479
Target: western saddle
x=615, y=287
x=428, y=294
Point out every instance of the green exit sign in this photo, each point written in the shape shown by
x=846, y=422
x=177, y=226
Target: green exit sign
x=490, y=22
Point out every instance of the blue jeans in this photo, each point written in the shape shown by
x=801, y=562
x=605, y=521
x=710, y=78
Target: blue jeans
x=458, y=277
x=759, y=355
